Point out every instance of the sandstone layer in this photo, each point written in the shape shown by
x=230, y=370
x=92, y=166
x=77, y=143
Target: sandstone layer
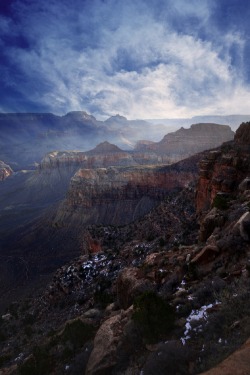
x=120, y=195
x=222, y=170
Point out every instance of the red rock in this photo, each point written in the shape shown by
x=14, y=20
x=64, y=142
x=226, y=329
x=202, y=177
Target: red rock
x=206, y=255
x=224, y=171
x=103, y=357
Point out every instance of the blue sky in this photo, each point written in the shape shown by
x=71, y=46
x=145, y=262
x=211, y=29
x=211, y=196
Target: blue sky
x=140, y=58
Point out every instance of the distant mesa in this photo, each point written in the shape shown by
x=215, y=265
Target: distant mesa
x=117, y=118
x=79, y=116
x=104, y=148
x=197, y=138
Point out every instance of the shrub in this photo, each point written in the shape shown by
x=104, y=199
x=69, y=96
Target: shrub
x=29, y=319
x=162, y=242
x=170, y=358
x=2, y=336
x=4, y=358
x=39, y=364
x=77, y=333
x=103, y=298
x=153, y=315
x=28, y=330
x=221, y=202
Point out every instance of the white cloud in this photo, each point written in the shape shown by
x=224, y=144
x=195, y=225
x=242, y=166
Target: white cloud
x=133, y=63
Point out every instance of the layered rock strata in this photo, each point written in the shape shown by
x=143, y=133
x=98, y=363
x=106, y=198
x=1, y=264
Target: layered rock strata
x=120, y=195
x=186, y=142
x=103, y=155
x=222, y=170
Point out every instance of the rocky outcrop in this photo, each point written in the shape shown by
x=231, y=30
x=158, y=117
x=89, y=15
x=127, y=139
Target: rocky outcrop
x=242, y=135
x=121, y=195
x=103, y=358
x=186, y=142
x=129, y=286
x=103, y=155
x=222, y=203
x=223, y=170
x=5, y=171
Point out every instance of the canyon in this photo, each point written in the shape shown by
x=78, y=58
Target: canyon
x=116, y=228
x=190, y=251
x=26, y=137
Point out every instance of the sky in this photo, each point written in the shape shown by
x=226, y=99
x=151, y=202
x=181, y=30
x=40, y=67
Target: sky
x=140, y=58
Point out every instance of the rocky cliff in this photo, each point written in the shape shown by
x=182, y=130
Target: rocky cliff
x=5, y=171
x=223, y=169
x=186, y=142
x=104, y=155
x=123, y=194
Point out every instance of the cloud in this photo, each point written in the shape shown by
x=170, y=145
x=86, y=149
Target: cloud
x=133, y=58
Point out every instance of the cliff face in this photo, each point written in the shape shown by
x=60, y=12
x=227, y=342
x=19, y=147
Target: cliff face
x=222, y=170
x=5, y=171
x=185, y=142
x=103, y=155
x=120, y=195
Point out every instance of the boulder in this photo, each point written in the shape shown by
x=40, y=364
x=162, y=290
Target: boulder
x=104, y=357
x=206, y=255
x=245, y=184
x=129, y=286
x=211, y=221
x=243, y=226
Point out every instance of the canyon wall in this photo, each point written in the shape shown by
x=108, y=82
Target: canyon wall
x=222, y=170
x=119, y=195
x=186, y=142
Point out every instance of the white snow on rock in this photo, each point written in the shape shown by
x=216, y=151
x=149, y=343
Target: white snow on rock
x=195, y=315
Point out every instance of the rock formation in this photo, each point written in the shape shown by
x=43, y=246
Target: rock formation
x=186, y=142
x=104, y=154
x=222, y=170
x=120, y=195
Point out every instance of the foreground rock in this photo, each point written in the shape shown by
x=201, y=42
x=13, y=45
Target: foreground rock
x=237, y=363
x=106, y=344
